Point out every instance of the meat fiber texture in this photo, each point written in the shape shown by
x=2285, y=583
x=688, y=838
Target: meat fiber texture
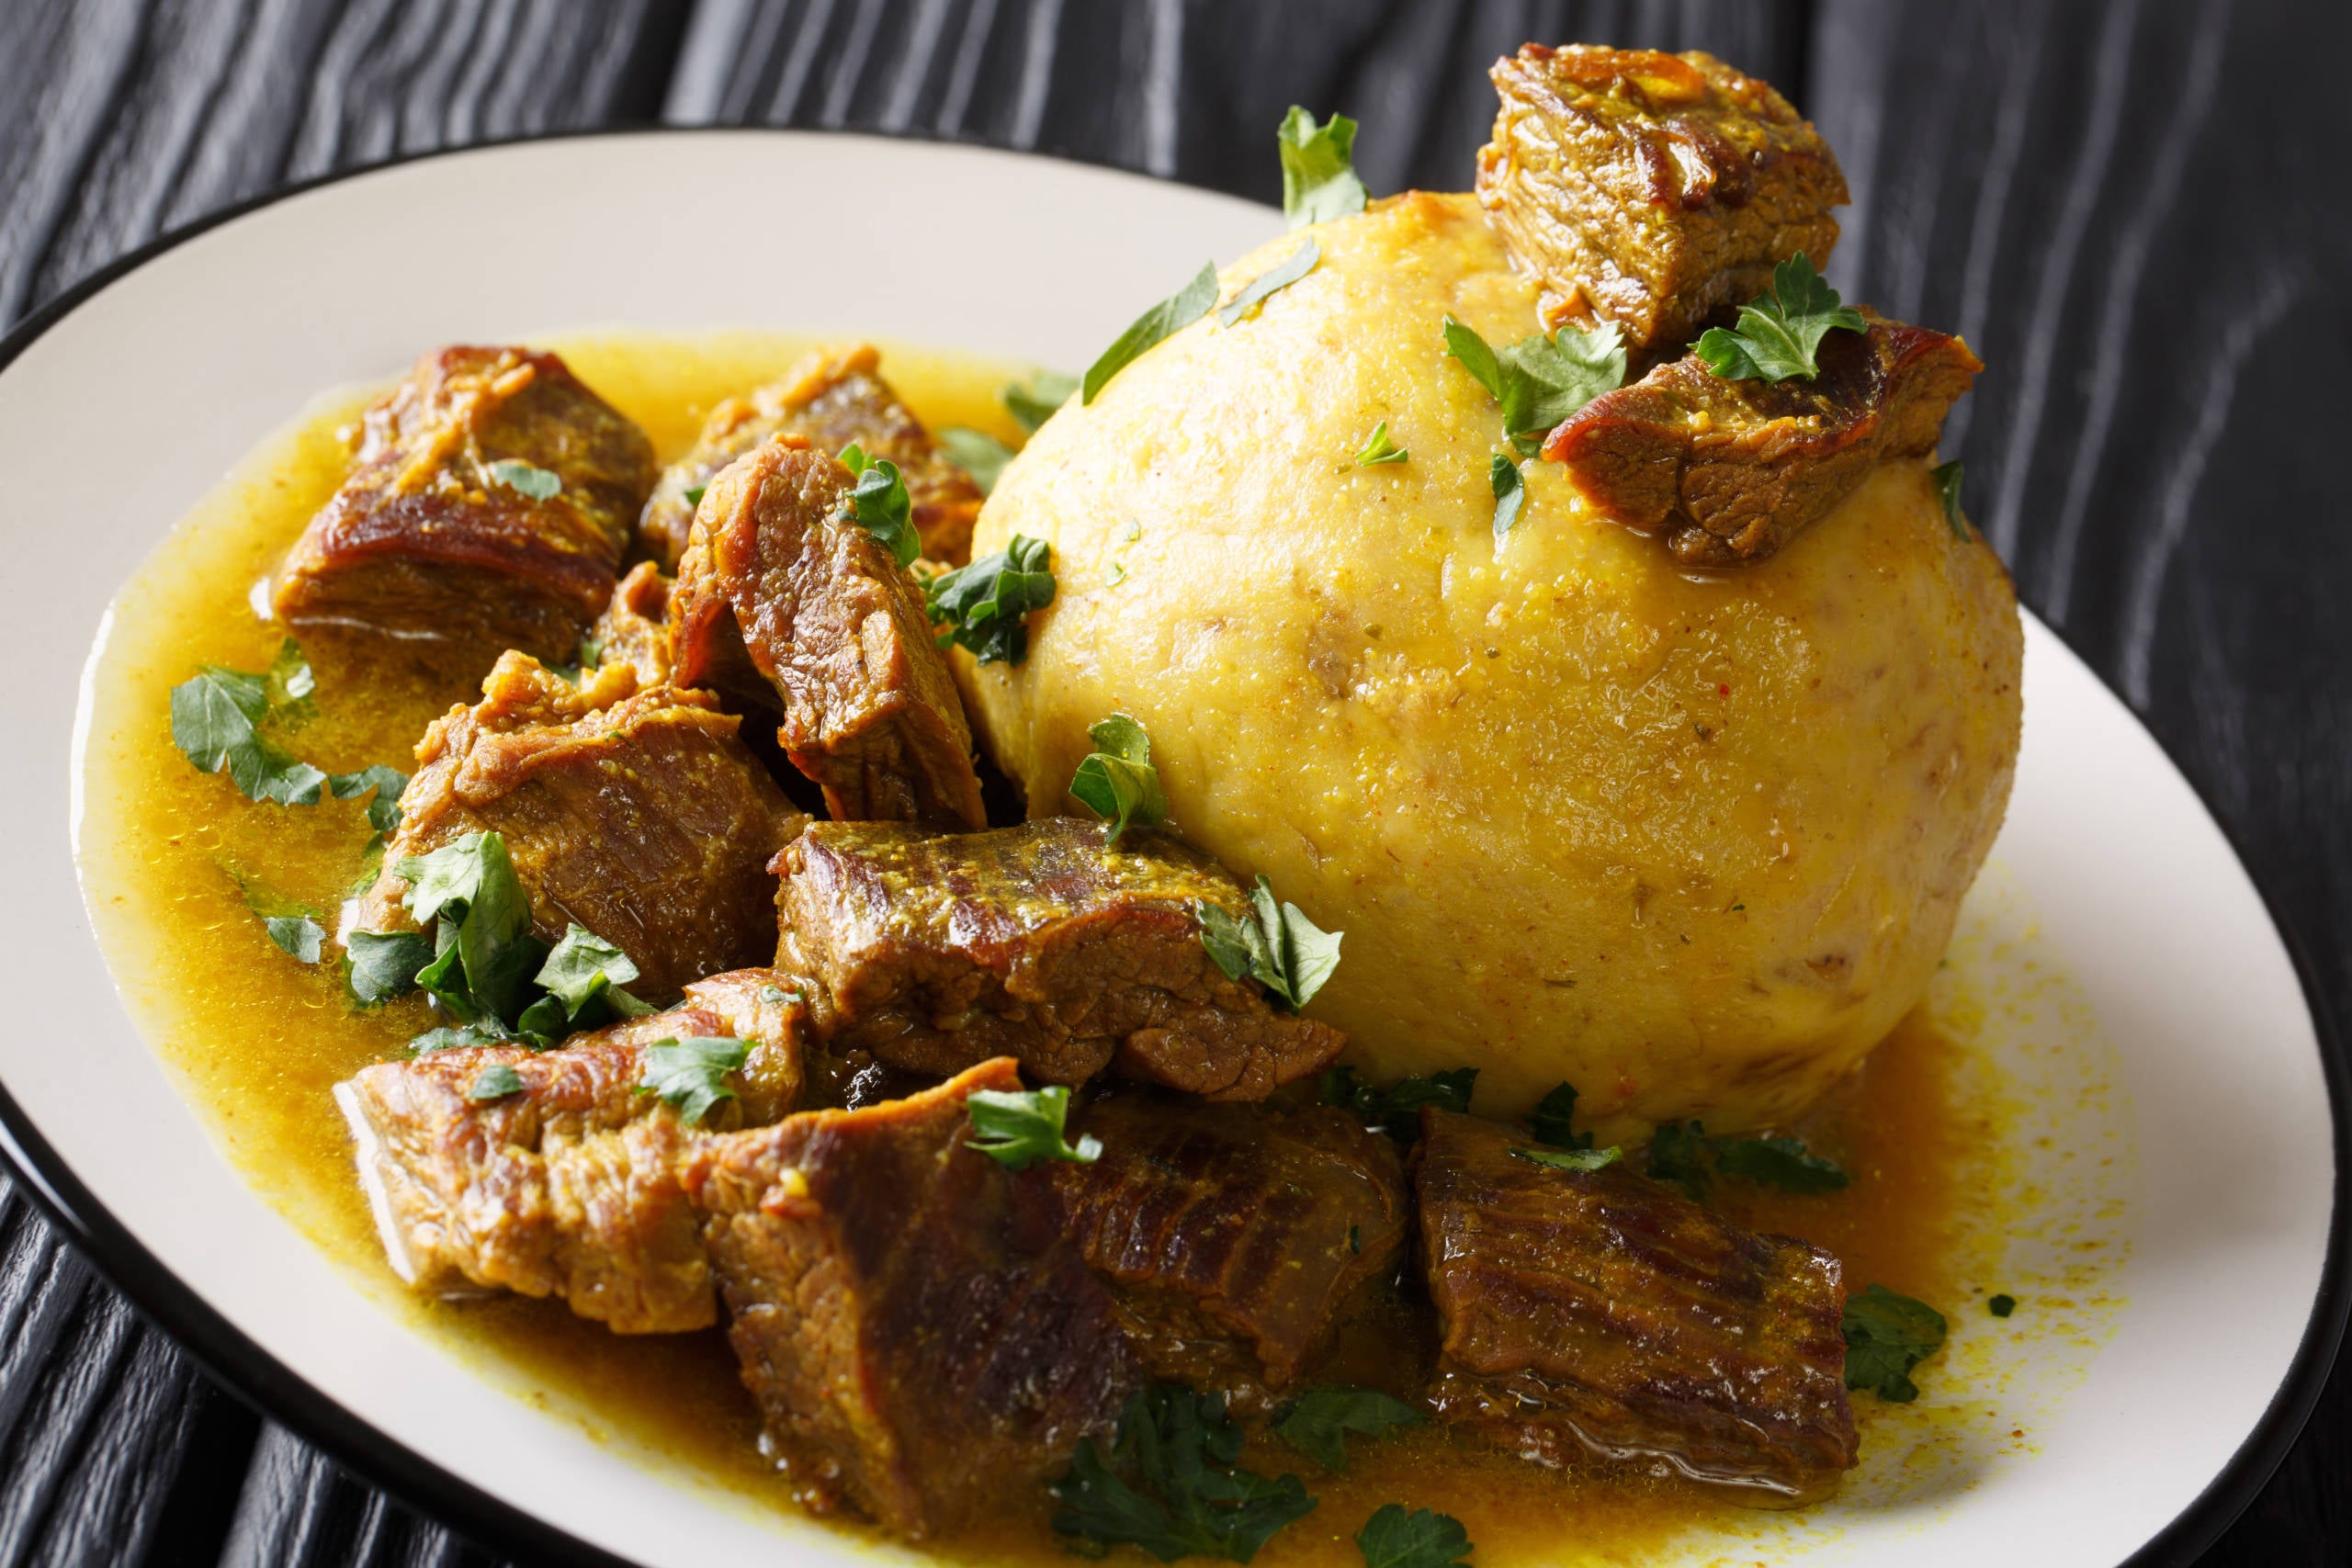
x=426, y=555
x=639, y=814
x=1598, y=1312
x=1043, y=943
x=784, y=601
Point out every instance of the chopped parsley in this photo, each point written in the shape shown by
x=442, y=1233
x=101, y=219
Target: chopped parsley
x=1116, y=780
x=1571, y=1160
x=1319, y=179
x=1286, y=953
x=298, y=934
x=1679, y=1157
x=1317, y=1423
x=1511, y=493
x=1038, y=401
x=526, y=479
x=1170, y=1485
x=986, y=606
x=466, y=892
x=384, y=806
x=1282, y=275
x=1162, y=321
x=978, y=453
x=2001, y=1305
x=1378, y=449
x=1947, y=477
x=1549, y=1121
x=879, y=503
x=495, y=1082
x=1541, y=380
x=585, y=974
x=690, y=1074
x=1396, y=1109
x=1780, y=1162
x=1780, y=331
x=216, y=720
x=1017, y=1128
x=384, y=964
x=450, y=1038
x=1394, y=1538
x=1887, y=1334
x=693, y=494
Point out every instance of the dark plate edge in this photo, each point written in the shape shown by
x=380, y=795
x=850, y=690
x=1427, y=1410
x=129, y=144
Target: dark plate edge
x=252, y=1375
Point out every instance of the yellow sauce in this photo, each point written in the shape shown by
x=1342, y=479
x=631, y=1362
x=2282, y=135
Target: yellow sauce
x=176, y=863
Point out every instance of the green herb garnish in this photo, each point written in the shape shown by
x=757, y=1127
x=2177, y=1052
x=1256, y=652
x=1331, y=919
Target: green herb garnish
x=2001, y=1306
x=1887, y=1334
x=526, y=479
x=1396, y=1109
x=690, y=1074
x=453, y=1037
x=1170, y=1485
x=1017, y=1128
x=880, y=504
x=1318, y=1422
x=1679, y=1157
x=1541, y=380
x=692, y=495
x=1038, y=401
x=585, y=974
x=1377, y=448
x=298, y=934
x=1779, y=1162
x=495, y=1082
x=215, y=719
x=1571, y=1160
x=985, y=605
x=1947, y=477
x=1282, y=275
x=1511, y=493
x=384, y=964
x=1781, y=330
x=1287, y=953
x=1319, y=179
x=1550, y=1119
x=978, y=453
x=1163, y=321
x=1116, y=781
x=384, y=807
x=1394, y=1538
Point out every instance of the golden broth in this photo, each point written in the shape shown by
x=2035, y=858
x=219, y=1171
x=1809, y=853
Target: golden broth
x=177, y=866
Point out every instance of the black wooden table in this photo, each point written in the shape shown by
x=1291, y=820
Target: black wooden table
x=2137, y=212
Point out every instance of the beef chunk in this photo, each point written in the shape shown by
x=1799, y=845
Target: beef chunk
x=1041, y=942
x=918, y=1333
x=1231, y=1235
x=1651, y=189
x=833, y=397
x=568, y=1186
x=1729, y=471
x=1601, y=1312
x=426, y=551
x=635, y=629
x=784, y=601
x=639, y=814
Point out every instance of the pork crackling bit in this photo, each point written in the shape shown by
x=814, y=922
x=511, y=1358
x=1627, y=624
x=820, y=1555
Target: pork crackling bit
x=488, y=507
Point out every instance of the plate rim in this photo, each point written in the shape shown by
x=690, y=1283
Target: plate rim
x=249, y=1374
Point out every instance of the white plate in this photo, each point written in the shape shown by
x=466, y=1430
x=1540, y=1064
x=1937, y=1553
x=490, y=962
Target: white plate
x=123, y=403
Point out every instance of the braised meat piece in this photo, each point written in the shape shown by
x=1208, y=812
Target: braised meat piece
x=1231, y=1235
x=639, y=814
x=1651, y=189
x=785, y=600
x=1041, y=942
x=918, y=1331
x=1598, y=1311
x=635, y=629
x=1729, y=469
x=444, y=543
x=833, y=397
x=568, y=1186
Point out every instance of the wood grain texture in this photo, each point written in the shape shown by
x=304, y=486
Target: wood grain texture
x=2130, y=208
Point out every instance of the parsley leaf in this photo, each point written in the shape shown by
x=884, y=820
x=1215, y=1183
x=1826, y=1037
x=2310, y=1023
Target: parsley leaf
x=526, y=479
x=384, y=808
x=978, y=453
x=1396, y=1109
x=692, y=1074
x=1541, y=381
x=583, y=970
x=1947, y=477
x=1169, y=1485
x=1780, y=1162
x=215, y=723
x=1162, y=321
x=1781, y=330
x=1017, y=1128
x=1287, y=953
x=469, y=887
x=1038, y=401
x=1319, y=179
x=1116, y=781
x=1549, y=1121
x=1282, y=275
x=880, y=503
x=495, y=1082
x=1887, y=1334
x=384, y=964
x=1511, y=493
x=985, y=605
x=448, y=1038
x=2001, y=1305
x=298, y=934
x=1393, y=1538
x=1377, y=448
x=692, y=495
x=1679, y=1157
x=1571, y=1160
x=1318, y=1422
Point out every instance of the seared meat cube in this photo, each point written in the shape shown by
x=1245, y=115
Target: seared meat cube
x=1230, y=1235
x=635, y=628
x=639, y=814
x=1729, y=469
x=1598, y=1311
x=1651, y=189
x=568, y=1186
x=1041, y=942
x=435, y=547
x=833, y=397
x=784, y=601
x=918, y=1331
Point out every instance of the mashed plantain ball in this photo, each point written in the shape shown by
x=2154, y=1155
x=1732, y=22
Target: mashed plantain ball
x=1692, y=843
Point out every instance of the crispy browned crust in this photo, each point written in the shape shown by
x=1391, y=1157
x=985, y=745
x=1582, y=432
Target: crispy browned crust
x=919, y=1333
x=1651, y=189
x=1599, y=1312
x=639, y=814
x=1729, y=471
x=1041, y=942
x=832, y=397
x=423, y=551
x=635, y=628
x=784, y=601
